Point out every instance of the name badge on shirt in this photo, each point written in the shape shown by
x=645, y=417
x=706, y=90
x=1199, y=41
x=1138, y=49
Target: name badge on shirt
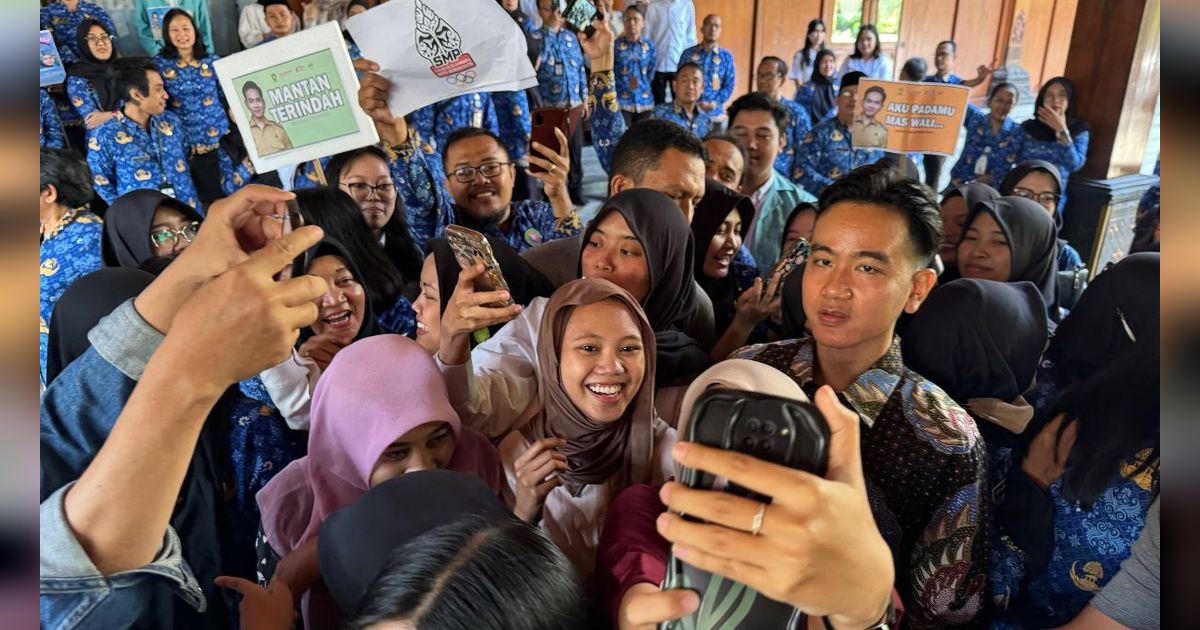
x=716, y=82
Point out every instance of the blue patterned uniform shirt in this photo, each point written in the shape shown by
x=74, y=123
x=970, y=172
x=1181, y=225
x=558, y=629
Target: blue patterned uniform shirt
x=69, y=251
x=435, y=122
x=63, y=23
x=50, y=129
x=513, y=119
x=826, y=154
x=698, y=124
x=633, y=64
x=562, y=79
x=799, y=123
x=83, y=98
x=1067, y=157
x=1001, y=149
x=718, y=76
x=951, y=79
x=125, y=157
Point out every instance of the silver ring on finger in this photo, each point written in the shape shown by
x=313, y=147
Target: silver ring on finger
x=757, y=523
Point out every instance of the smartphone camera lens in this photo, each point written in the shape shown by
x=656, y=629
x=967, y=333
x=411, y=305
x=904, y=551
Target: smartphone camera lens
x=765, y=445
x=752, y=425
x=768, y=428
x=748, y=442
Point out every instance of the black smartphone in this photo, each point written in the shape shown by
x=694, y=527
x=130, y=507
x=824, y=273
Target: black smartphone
x=777, y=430
x=578, y=15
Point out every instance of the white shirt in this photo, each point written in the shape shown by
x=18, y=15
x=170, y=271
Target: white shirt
x=290, y=385
x=877, y=68
x=799, y=71
x=671, y=25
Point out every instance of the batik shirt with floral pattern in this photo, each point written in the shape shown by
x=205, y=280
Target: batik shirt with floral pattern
x=633, y=63
x=562, y=79
x=826, y=154
x=70, y=250
x=1067, y=157
x=514, y=122
x=924, y=453
x=1001, y=149
x=125, y=157
x=435, y=122
x=718, y=75
x=50, y=131
x=698, y=123
x=799, y=123
x=63, y=24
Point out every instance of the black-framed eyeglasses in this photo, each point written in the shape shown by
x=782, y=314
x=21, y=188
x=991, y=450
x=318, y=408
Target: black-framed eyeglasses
x=96, y=39
x=363, y=190
x=489, y=170
x=169, y=236
x=1042, y=198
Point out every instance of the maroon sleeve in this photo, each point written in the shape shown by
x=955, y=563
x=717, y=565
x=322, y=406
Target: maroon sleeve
x=631, y=551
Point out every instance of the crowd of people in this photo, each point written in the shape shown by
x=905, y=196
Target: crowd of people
x=273, y=400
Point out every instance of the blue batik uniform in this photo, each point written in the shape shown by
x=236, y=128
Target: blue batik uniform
x=825, y=154
x=513, y=119
x=633, y=68
x=562, y=79
x=83, y=98
x=125, y=157
x=306, y=176
x=1067, y=157
x=804, y=98
x=952, y=79
x=69, y=251
x=421, y=182
x=1001, y=150
x=718, y=76
x=698, y=124
x=50, y=129
x=799, y=123
x=435, y=122
x=1088, y=545
x=197, y=100
x=260, y=442
x=399, y=319
x=606, y=122
x=63, y=24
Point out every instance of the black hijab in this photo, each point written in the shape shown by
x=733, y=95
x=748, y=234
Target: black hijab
x=1039, y=130
x=355, y=542
x=331, y=247
x=1121, y=304
x=824, y=91
x=1026, y=167
x=91, y=69
x=82, y=306
x=978, y=338
x=666, y=239
x=972, y=194
x=127, y=226
x=710, y=213
x=524, y=282
x=793, y=304
x=1032, y=241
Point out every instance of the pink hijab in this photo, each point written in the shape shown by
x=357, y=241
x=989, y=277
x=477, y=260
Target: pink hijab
x=375, y=390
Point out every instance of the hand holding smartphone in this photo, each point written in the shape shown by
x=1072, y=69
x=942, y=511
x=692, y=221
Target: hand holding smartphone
x=472, y=248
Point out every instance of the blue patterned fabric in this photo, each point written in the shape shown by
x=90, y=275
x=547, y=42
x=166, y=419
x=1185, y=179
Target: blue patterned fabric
x=513, y=119
x=953, y=79
x=435, y=122
x=718, y=75
x=83, y=98
x=1067, y=157
x=1089, y=546
x=69, y=251
x=1068, y=257
x=562, y=79
x=698, y=124
x=633, y=68
x=606, y=122
x=63, y=23
x=306, y=175
x=50, y=127
x=400, y=319
x=804, y=98
x=799, y=123
x=125, y=157
x=743, y=268
x=1002, y=150
x=825, y=155
x=260, y=443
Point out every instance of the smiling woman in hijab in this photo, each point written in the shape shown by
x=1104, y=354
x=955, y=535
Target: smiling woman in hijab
x=87, y=80
x=379, y=411
x=956, y=205
x=143, y=224
x=1011, y=239
x=639, y=241
x=1039, y=180
x=596, y=432
x=819, y=95
x=981, y=341
x=1055, y=134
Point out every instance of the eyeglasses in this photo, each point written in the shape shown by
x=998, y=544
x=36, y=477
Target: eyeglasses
x=1045, y=198
x=165, y=236
x=96, y=39
x=363, y=190
x=490, y=170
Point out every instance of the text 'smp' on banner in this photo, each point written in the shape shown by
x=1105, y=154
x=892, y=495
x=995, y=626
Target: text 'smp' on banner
x=908, y=116
x=295, y=99
x=433, y=50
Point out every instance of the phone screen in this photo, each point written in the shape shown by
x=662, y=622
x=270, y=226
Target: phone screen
x=579, y=14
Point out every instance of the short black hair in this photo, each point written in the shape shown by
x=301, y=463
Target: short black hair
x=756, y=102
x=407, y=257
x=199, y=50
x=781, y=66
x=914, y=67
x=473, y=574
x=1004, y=85
x=689, y=64
x=635, y=8
x=129, y=73
x=641, y=148
x=878, y=184
x=953, y=46
x=69, y=174
x=875, y=89
x=724, y=137
x=466, y=133
x=250, y=85
x=868, y=28
x=851, y=78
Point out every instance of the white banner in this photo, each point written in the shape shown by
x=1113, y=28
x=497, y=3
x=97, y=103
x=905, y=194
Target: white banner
x=432, y=50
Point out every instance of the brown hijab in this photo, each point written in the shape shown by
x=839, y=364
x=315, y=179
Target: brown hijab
x=595, y=450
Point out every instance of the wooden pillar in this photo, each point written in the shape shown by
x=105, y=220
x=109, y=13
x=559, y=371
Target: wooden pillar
x=1114, y=63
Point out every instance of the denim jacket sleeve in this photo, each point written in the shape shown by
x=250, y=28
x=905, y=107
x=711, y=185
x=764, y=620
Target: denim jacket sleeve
x=81, y=405
x=73, y=593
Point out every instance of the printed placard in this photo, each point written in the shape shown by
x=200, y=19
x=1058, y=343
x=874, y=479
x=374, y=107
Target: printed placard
x=908, y=116
x=50, y=64
x=296, y=99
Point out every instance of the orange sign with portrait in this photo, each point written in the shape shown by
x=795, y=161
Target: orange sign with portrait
x=908, y=117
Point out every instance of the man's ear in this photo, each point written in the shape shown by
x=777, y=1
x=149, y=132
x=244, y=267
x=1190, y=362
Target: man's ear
x=49, y=194
x=619, y=183
x=923, y=282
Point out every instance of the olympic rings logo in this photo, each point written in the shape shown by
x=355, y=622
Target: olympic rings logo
x=462, y=78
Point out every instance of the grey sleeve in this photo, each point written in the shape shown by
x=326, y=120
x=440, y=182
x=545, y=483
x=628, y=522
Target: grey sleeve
x=1131, y=597
x=125, y=340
